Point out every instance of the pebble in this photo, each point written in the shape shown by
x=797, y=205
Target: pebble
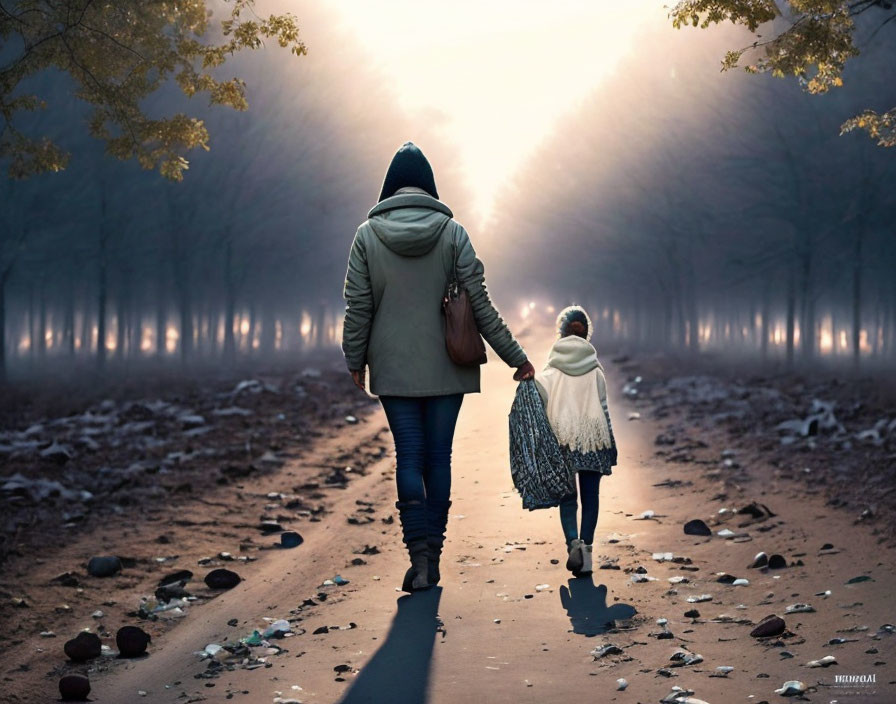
x=799, y=609
x=696, y=527
x=74, y=688
x=699, y=598
x=84, y=646
x=290, y=539
x=791, y=688
x=777, y=562
x=761, y=560
x=860, y=578
x=175, y=577
x=604, y=650
x=823, y=662
x=131, y=641
x=103, y=566
x=222, y=579
x=769, y=626
x=621, y=684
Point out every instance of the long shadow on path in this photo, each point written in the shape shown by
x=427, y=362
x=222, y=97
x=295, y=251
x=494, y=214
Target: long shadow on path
x=399, y=671
x=586, y=606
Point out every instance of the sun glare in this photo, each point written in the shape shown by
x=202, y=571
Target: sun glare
x=494, y=75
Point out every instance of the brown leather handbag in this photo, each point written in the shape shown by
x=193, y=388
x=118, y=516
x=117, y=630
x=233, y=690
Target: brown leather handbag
x=462, y=338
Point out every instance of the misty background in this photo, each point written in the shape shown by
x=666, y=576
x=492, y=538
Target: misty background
x=687, y=209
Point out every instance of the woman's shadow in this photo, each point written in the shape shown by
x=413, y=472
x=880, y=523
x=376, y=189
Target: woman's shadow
x=586, y=606
x=399, y=671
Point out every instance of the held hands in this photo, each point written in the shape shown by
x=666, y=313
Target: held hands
x=359, y=377
x=524, y=371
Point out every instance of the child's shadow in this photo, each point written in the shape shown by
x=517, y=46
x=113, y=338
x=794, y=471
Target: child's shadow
x=586, y=606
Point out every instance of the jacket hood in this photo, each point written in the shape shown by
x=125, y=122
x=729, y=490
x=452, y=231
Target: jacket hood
x=574, y=356
x=410, y=224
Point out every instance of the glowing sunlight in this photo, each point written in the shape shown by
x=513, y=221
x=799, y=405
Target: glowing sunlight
x=495, y=76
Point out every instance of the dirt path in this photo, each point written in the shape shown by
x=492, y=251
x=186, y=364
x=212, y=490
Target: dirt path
x=490, y=634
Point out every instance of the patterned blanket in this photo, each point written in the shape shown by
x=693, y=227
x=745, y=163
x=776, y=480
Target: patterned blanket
x=537, y=466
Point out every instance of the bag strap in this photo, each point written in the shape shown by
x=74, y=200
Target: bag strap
x=452, y=275
x=454, y=255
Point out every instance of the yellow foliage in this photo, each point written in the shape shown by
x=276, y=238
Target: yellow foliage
x=118, y=53
x=814, y=48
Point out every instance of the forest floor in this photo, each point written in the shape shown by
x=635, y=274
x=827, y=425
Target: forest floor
x=508, y=623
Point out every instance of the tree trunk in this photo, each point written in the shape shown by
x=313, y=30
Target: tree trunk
x=857, y=294
x=186, y=324
x=42, y=324
x=68, y=335
x=161, y=326
x=120, y=326
x=321, y=324
x=86, y=328
x=268, y=337
x=229, y=315
x=764, y=328
x=229, y=303
x=4, y=372
x=135, y=329
x=102, y=284
x=32, y=332
x=791, y=314
x=693, y=315
x=807, y=298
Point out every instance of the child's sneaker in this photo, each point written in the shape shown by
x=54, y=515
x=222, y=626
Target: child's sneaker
x=576, y=557
x=586, y=567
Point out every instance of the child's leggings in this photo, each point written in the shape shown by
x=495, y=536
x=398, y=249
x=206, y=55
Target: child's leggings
x=589, y=491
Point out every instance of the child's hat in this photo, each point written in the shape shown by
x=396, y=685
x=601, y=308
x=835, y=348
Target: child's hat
x=573, y=320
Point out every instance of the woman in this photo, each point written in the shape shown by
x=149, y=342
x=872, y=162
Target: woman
x=398, y=271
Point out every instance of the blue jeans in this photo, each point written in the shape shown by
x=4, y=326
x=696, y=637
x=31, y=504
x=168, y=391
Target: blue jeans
x=589, y=494
x=423, y=430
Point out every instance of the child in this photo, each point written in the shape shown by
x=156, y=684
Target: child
x=574, y=391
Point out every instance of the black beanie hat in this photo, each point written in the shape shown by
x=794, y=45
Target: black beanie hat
x=409, y=168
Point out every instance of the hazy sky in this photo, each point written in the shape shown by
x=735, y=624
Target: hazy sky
x=495, y=73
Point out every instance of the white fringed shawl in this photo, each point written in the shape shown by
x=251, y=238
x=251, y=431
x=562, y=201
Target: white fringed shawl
x=574, y=385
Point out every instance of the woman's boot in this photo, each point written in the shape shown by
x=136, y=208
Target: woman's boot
x=435, y=553
x=417, y=576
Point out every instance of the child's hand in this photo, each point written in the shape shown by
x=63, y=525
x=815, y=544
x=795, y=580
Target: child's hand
x=524, y=371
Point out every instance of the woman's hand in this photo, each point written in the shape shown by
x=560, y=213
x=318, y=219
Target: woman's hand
x=358, y=376
x=524, y=371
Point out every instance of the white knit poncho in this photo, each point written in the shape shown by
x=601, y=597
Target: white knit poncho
x=574, y=389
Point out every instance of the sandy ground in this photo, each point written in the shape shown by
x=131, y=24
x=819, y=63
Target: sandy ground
x=492, y=632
